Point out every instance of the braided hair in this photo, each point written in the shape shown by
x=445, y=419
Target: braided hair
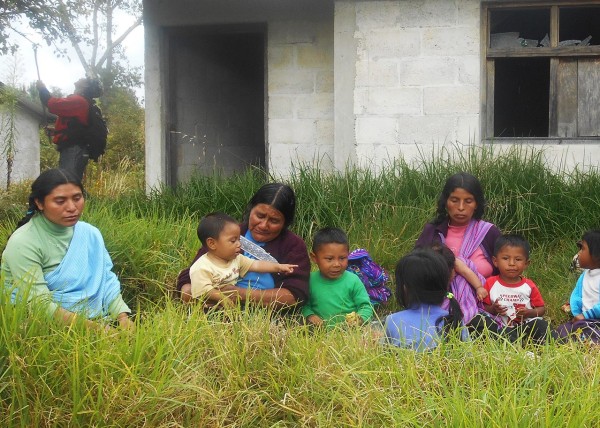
x=46, y=182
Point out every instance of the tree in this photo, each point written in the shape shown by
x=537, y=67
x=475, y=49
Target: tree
x=88, y=25
x=125, y=119
x=40, y=15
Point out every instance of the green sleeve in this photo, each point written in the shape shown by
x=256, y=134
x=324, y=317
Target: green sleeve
x=117, y=306
x=362, y=301
x=22, y=266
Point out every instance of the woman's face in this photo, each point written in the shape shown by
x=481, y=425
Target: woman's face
x=265, y=223
x=461, y=206
x=62, y=206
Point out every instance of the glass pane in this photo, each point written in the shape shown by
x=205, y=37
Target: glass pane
x=519, y=27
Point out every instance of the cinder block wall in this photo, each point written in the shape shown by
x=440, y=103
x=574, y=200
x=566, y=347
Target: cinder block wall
x=300, y=94
x=417, y=77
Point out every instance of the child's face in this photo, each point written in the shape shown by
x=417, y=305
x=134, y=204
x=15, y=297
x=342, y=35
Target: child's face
x=227, y=246
x=586, y=261
x=511, y=262
x=332, y=259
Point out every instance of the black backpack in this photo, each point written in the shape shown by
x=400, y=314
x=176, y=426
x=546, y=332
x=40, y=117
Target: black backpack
x=93, y=136
x=96, y=132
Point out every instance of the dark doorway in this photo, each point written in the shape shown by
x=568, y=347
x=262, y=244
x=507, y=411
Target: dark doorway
x=216, y=101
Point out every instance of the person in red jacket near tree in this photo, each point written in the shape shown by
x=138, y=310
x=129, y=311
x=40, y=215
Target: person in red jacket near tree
x=72, y=112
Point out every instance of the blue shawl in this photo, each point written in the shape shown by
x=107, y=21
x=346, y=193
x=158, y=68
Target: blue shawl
x=83, y=281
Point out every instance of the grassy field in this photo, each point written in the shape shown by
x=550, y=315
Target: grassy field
x=185, y=368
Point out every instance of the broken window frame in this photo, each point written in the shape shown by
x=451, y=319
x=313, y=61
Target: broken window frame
x=558, y=56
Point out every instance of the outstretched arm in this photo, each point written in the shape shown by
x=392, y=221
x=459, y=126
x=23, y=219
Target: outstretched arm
x=271, y=267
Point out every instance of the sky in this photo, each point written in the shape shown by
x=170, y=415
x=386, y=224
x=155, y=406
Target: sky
x=62, y=72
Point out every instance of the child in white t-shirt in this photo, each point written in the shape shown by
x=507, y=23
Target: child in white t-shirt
x=224, y=264
x=515, y=300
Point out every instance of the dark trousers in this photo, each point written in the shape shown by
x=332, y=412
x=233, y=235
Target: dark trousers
x=534, y=331
x=578, y=330
x=74, y=158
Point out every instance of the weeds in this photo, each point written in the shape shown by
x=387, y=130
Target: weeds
x=183, y=367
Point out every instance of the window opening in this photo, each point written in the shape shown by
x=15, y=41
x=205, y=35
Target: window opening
x=579, y=26
x=521, y=97
x=519, y=28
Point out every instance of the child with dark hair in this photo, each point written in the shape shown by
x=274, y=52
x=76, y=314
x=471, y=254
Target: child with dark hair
x=585, y=298
x=422, y=279
x=223, y=264
x=336, y=295
x=514, y=300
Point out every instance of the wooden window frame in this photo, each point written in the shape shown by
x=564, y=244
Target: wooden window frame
x=555, y=53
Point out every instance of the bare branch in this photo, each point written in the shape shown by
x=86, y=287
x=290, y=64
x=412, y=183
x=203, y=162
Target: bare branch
x=119, y=40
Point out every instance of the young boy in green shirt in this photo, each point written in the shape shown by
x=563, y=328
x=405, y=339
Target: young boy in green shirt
x=336, y=295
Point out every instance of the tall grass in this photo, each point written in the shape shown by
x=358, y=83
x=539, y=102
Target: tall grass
x=183, y=367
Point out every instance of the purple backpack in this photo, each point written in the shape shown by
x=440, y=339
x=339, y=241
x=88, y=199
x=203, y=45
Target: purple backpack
x=373, y=276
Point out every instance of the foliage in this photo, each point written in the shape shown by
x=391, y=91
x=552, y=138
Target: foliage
x=40, y=15
x=183, y=367
x=9, y=105
x=88, y=26
x=125, y=119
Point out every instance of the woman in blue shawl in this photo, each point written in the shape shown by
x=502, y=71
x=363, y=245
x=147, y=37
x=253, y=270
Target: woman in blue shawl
x=59, y=263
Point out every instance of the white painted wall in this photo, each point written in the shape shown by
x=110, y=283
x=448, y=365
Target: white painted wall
x=26, y=164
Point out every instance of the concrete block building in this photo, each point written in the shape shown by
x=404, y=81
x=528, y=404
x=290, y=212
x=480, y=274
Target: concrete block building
x=25, y=119
x=232, y=84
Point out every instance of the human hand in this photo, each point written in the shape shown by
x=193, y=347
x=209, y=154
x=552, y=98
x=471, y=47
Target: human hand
x=353, y=319
x=498, y=308
x=227, y=303
x=315, y=320
x=579, y=317
x=285, y=268
x=482, y=293
x=523, y=313
x=125, y=322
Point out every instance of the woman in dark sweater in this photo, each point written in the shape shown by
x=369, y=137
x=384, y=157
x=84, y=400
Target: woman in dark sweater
x=268, y=215
x=460, y=227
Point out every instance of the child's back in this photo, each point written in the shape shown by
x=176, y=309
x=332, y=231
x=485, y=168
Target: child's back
x=418, y=328
x=422, y=279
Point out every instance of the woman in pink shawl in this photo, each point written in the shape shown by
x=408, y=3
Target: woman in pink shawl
x=459, y=226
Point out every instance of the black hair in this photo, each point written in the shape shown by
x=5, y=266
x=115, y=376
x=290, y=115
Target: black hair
x=422, y=277
x=329, y=235
x=446, y=253
x=279, y=196
x=43, y=185
x=211, y=225
x=592, y=239
x=90, y=87
x=512, y=241
x=461, y=180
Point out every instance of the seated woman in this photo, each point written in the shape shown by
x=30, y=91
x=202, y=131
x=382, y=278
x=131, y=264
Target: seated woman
x=265, y=236
x=60, y=263
x=459, y=226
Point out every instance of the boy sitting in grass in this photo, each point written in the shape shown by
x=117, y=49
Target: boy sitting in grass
x=223, y=264
x=514, y=299
x=336, y=295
